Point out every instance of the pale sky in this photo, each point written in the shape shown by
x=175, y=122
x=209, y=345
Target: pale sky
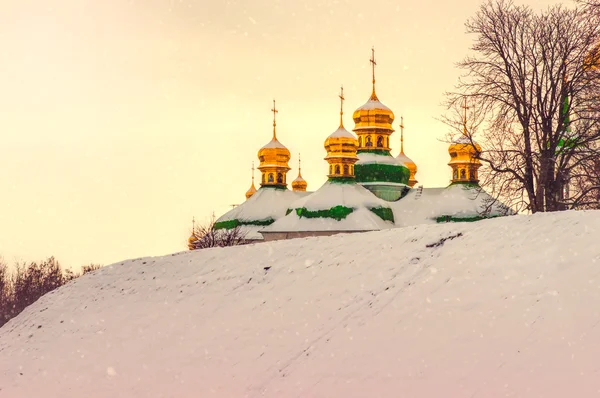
x=120, y=120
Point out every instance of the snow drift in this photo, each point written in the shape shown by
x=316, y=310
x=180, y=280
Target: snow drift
x=502, y=307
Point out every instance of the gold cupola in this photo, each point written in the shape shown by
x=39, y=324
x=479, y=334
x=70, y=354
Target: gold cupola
x=463, y=156
x=193, y=237
x=341, y=147
x=274, y=158
x=373, y=121
x=299, y=184
x=412, y=167
x=252, y=189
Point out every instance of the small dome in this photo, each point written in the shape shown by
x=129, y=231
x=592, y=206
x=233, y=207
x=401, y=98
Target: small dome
x=250, y=191
x=407, y=161
x=192, y=241
x=299, y=184
x=412, y=167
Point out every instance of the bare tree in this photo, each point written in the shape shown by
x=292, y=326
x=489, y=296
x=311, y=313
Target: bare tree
x=207, y=236
x=533, y=88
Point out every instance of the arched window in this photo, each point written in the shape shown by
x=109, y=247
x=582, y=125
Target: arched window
x=263, y=178
x=369, y=143
x=330, y=169
x=346, y=170
x=279, y=178
x=455, y=174
x=270, y=177
x=359, y=142
x=337, y=169
x=463, y=174
x=379, y=142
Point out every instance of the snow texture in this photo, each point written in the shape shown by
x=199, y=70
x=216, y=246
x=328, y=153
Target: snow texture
x=371, y=105
x=265, y=203
x=403, y=159
x=361, y=219
x=498, y=308
x=456, y=200
x=333, y=194
x=341, y=132
x=274, y=143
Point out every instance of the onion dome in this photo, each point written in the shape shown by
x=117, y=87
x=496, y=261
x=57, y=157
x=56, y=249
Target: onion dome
x=341, y=147
x=412, y=167
x=373, y=121
x=463, y=157
x=252, y=189
x=274, y=158
x=193, y=237
x=299, y=184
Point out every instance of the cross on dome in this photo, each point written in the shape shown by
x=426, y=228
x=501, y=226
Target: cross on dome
x=275, y=111
x=465, y=107
x=401, y=134
x=341, y=106
x=373, y=64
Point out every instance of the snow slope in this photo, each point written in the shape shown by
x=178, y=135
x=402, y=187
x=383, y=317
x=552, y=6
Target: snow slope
x=509, y=307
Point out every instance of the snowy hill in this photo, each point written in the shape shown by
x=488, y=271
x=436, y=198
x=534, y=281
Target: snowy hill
x=502, y=307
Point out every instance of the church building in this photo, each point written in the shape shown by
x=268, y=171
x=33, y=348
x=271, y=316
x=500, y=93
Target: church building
x=367, y=189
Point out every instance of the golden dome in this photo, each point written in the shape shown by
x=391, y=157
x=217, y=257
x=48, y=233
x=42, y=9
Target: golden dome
x=412, y=167
x=252, y=189
x=373, y=114
x=463, y=156
x=274, y=158
x=299, y=184
x=373, y=121
x=193, y=237
x=341, y=147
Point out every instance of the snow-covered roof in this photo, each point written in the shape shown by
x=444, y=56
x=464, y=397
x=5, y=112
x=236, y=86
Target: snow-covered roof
x=274, y=143
x=333, y=194
x=373, y=104
x=402, y=158
x=361, y=219
x=464, y=140
x=341, y=132
x=456, y=200
x=265, y=203
x=329, y=196
x=369, y=158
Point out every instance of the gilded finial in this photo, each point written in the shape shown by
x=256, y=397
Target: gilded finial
x=299, y=166
x=253, y=173
x=193, y=225
x=402, y=134
x=341, y=106
x=373, y=63
x=274, y=110
x=465, y=117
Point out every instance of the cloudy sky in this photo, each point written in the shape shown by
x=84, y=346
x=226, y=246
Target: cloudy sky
x=120, y=120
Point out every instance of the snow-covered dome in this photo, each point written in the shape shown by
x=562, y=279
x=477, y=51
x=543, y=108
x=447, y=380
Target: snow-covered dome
x=274, y=158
